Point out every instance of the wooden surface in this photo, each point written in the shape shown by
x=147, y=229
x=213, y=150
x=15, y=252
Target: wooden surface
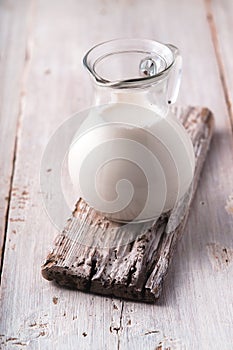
x=91, y=253
x=42, y=83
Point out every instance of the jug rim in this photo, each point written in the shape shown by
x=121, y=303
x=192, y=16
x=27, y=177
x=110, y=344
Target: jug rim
x=94, y=55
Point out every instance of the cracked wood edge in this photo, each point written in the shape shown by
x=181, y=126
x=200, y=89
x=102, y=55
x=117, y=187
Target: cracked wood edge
x=134, y=271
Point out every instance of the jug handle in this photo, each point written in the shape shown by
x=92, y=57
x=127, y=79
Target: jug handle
x=175, y=76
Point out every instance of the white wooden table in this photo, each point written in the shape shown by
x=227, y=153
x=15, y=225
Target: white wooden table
x=42, y=83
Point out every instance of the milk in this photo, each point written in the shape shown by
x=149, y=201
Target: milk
x=129, y=162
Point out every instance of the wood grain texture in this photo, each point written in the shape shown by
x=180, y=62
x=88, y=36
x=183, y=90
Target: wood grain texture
x=14, y=19
x=195, y=309
x=135, y=270
x=220, y=17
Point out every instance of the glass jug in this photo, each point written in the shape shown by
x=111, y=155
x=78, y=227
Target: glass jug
x=131, y=159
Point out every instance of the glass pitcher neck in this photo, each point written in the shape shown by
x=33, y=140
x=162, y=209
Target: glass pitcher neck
x=153, y=97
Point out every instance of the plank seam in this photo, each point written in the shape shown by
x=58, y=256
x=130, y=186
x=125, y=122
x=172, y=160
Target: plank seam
x=25, y=70
x=215, y=41
x=8, y=205
x=120, y=326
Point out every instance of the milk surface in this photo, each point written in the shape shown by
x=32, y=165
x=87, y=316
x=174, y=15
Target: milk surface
x=130, y=163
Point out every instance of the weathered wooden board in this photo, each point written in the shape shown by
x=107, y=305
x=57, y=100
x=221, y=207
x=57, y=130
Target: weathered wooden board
x=14, y=19
x=195, y=309
x=220, y=17
x=135, y=270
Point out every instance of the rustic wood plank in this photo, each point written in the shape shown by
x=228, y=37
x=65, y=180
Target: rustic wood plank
x=57, y=86
x=135, y=270
x=220, y=18
x=14, y=19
